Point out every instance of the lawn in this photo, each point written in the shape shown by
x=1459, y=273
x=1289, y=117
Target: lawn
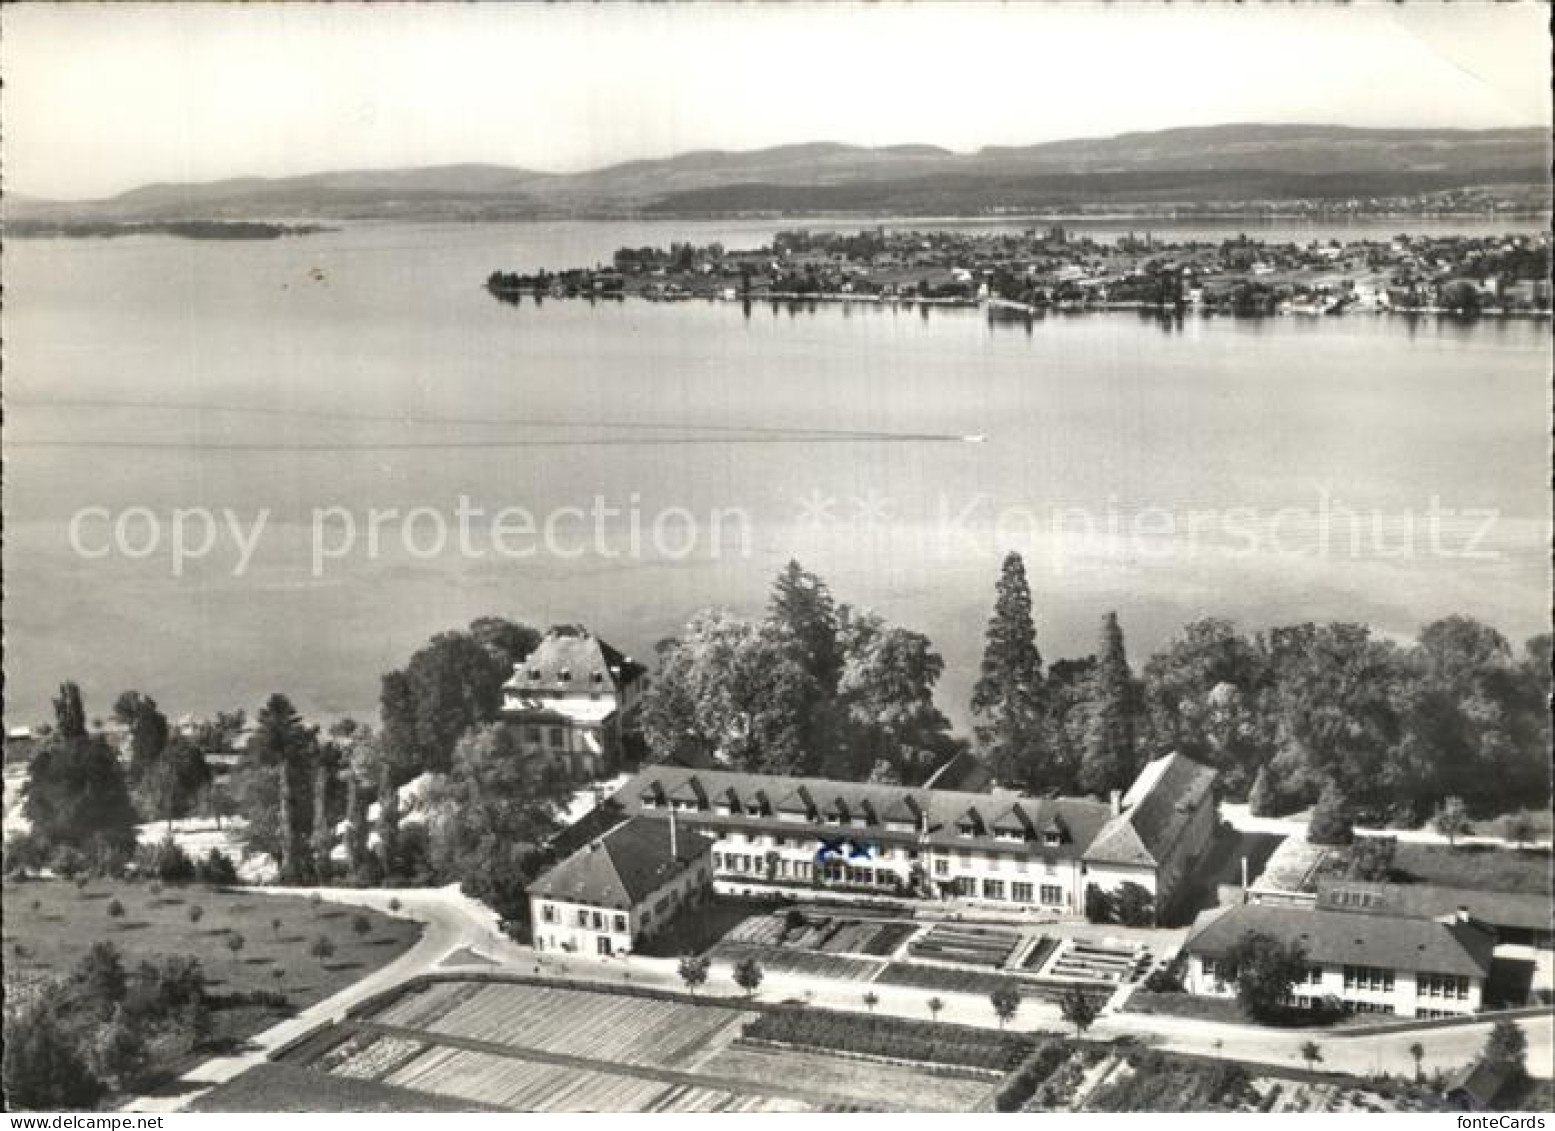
x=1475, y=866
x=699, y=928
x=51, y=924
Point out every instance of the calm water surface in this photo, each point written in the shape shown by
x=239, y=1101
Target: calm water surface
x=1166, y=472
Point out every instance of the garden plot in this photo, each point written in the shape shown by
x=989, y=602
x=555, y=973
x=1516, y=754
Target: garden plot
x=973, y=946
x=522, y=1085
x=871, y=1085
x=1100, y=962
x=828, y=934
x=599, y=1026
x=785, y=960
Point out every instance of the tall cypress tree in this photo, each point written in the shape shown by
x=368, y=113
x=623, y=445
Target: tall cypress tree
x=284, y=744
x=802, y=606
x=1007, y=699
x=1109, y=758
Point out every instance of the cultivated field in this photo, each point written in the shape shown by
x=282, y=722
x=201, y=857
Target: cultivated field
x=530, y=1047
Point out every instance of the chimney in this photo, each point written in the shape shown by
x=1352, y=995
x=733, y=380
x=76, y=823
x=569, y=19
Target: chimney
x=674, y=852
x=1244, y=873
x=1462, y=915
x=1116, y=799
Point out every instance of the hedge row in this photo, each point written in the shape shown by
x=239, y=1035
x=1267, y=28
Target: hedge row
x=894, y=1037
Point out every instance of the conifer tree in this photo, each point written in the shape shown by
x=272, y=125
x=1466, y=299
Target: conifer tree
x=1007, y=699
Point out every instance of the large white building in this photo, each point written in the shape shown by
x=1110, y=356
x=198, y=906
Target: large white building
x=1367, y=963
x=622, y=887
x=809, y=836
x=567, y=698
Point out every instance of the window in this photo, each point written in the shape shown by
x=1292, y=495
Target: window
x=1369, y=978
x=1444, y=986
x=1049, y=866
x=941, y=866
x=565, y=675
x=1021, y=893
x=993, y=889
x=547, y=913
x=966, y=886
x=557, y=738
x=532, y=734
x=1052, y=895
x=583, y=917
x=599, y=921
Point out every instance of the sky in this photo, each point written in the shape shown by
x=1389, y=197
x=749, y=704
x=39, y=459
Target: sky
x=101, y=98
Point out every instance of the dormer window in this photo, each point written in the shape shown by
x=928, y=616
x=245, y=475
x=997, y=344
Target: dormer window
x=1052, y=839
x=599, y=677
x=565, y=675
x=534, y=673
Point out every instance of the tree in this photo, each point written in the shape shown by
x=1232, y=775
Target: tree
x=235, y=943
x=886, y=694
x=1452, y=820
x=451, y=684
x=871, y=999
x=195, y=913
x=115, y=909
x=747, y=975
x=509, y=642
x=100, y=976
x=1007, y=698
x=119, y=1052
x=490, y=818
x=76, y=793
x=1371, y=858
x=1417, y=1054
x=1507, y=1046
x=1331, y=821
x=801, y=607
x=216, y=869
x=1133, y=905
x=1266, y=969
x=1109, y=760
x=43, y=1068
x=1262, y=799
x=1006, y=1001
x=693, y=971
x=149, y=733
x=1520, y=830
x=362, y=925
x=69, y=712
x=1311, y=1053
x=283, y=746
x=935, y=1005
x=171, y=786
x=1079, y=1009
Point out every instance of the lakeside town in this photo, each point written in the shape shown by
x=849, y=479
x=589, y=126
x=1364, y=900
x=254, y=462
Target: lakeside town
x=764, y=873
x=1020, y=274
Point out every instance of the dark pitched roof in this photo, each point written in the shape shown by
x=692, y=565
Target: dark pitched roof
x=1335, y=938
x=628, y=863
x=941, y=810
x=1525, y=911
x=1156, y=810
x=568, y=658
x=1478, y=1083
x=964, y=772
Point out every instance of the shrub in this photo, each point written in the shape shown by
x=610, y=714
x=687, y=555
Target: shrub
x=167, y=861
x=25, y=853
x=115, y=909
x=362, y=925
x=44, y=1068
x=322, y=948
x=1014, y=1093
x=68, y=861
x=100, y=976
x=217, y=869
x=196, y=913
x=898, y=1038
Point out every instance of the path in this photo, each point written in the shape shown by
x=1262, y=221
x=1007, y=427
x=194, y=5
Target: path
x=1240, y=818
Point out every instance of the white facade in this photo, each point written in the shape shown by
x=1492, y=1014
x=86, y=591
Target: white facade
x=1359, y=989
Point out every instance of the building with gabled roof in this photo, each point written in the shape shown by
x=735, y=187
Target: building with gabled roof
x=623, y=886
x=567, y=697
x=808, y=837
x=1367, y=963
x=1159, y=829
x=1523, y=918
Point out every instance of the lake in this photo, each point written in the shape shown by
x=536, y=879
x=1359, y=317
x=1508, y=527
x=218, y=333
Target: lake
x=654, y=459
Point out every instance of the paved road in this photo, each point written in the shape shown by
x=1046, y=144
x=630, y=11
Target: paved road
x=1241, y=818
x=450, y=921
x=455, y=924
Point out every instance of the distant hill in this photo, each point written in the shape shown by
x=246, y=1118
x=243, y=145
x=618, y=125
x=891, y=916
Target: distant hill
x=1201, y=165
